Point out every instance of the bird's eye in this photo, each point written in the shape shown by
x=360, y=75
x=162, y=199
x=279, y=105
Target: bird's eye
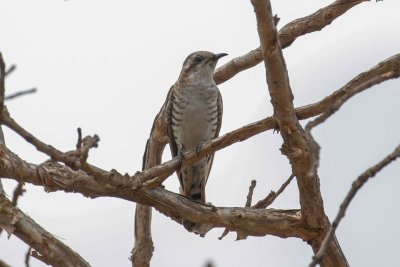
x=198, y=59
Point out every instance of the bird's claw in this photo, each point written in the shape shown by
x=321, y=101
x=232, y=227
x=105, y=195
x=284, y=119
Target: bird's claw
x=181, y=154
x=198, y=149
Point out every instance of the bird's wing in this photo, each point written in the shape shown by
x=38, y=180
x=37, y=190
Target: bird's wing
x=220, y=111
x=172, y=144
x=210, y=158
x=157, y=131
x=169, y=103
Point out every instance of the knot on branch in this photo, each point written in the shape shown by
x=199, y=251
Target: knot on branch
x=292, y=152
x=329, y=15
x=53, y=176
x=47, y=175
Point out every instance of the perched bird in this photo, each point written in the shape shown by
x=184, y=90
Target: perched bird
x=194, y=117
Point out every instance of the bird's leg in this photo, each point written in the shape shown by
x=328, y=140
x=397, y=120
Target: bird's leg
x=181, y=153
x=198, y=148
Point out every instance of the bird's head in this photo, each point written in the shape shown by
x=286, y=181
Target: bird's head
x=199, y=67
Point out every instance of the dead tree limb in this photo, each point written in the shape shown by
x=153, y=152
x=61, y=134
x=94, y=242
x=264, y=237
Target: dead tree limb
x=295, y=144
x=287, y=35
x=143, y=248
x=55, y=177
x=146, y=177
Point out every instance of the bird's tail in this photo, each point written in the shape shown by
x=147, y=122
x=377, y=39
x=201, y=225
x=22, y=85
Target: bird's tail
x=193, y=179
x=193, y=182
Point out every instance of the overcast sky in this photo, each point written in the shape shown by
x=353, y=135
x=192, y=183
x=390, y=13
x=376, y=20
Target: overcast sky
x=106, y=66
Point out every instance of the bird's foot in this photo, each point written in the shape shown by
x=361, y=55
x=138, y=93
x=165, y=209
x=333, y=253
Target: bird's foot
x=181, y=154
x=198, y=148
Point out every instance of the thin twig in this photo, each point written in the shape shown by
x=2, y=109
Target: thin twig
x=247, y=205
x=262, y=204
x=20, y=93
x=79, y=142
x=250, y=194
x=28, y=257
x=335, y=106
x=224, y=233
x=357, y=184
x=18, y=191
x=76, y=159
x=10, y=70
x=83, y=147
x=268, y=200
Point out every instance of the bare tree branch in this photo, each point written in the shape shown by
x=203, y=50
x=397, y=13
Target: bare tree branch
x=268, y=200
x=357, y=184
x=21, y=93
x=387, y=69
x=71, y=158
x=143, y=187
x=10, y=70
x=79, y=142
x=287, y=35
x=15, y=222
x=296, y=147
x=247, y=205
x=241, y=134
x=53, y=176
x=3, y=74
x=50, y=249
x=250, y=194
x=28, y=257
x=143, y=248
x=159, y=139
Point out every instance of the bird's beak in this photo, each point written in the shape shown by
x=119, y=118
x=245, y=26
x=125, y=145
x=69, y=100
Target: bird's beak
x=218, y=56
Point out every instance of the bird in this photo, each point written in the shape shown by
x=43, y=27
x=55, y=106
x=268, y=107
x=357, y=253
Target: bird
x=194, y=116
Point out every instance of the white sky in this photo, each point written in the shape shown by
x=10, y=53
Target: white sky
x=106, y=66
